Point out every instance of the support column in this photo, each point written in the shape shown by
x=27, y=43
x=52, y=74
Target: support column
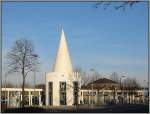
x=116, y=94
x=29, y=98
x=21, y=97
x=8, y=98
x=96, y=97
x=103, y=98
x=82, y=97
x=138, y=97
x=46, y=93
x=133, y=98
x=39, y=99
x=127, y=97
x=89, y=98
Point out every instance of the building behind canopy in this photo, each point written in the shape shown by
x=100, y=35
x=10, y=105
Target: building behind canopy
x=62, y=83
x=106, y=91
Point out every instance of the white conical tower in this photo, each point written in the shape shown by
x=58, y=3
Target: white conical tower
x=63, y=62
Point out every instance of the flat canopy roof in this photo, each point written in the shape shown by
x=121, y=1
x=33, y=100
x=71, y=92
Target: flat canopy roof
x=20, y=89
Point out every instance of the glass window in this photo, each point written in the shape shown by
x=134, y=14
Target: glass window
x=75, y=93
x=62, y=93
x=85, y=99
x=50, y=88
x=62, y=86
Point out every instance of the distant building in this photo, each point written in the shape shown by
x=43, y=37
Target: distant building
x=106, y=91
x=62, y=83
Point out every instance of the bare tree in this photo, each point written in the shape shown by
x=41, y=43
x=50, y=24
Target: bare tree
x=85, y=79
x=27, y=85
x=96, y=75
x=22, y=59
x=8, y=85
x=116, y=5
x=115, y=77
x=84, y=75
x=131, y=85
x=79, y=70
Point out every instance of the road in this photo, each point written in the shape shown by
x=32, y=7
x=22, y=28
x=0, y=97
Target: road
x=132, y=108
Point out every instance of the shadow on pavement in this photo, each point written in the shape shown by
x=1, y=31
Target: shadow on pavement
x=134, y=108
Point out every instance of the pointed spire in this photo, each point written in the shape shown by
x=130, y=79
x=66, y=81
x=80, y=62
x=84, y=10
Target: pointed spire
x=63, y=62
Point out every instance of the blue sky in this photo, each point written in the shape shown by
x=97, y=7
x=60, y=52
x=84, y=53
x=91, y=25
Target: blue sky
x=105, y=40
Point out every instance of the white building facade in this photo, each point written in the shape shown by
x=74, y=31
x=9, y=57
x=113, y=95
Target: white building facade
x=62, y=84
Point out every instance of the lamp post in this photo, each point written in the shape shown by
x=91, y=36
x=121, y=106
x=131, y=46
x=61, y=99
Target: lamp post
x=5, y=88
x=146, y=89
x=92, y=70
x=145, y=84
x=36, y=56
x=34, y=87
x=122, y=89
x=45, y=88
x=6, y=74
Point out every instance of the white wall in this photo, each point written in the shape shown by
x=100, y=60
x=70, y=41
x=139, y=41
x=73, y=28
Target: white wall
x=56, y=78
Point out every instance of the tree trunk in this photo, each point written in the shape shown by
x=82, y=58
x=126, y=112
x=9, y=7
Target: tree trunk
x=23, y=93
x=23, y=76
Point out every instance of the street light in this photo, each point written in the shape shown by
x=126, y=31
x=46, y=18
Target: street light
x=34, y=87
x=6, y=74
x=121, y=80
x=123, y=85
x=144, y=84
x=92, y=70
x=36, y=56
x=146, y=89
x=5, y=89
x=45, y=88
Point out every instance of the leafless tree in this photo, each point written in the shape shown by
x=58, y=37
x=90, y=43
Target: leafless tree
x=84, y=75
x=131, y=84
x=115, y=77
x=28, y=85
x=78, y=69
x=116, y=5
x=22, y=59
x=85, y=78
x=95, y=76
x=8, y=85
